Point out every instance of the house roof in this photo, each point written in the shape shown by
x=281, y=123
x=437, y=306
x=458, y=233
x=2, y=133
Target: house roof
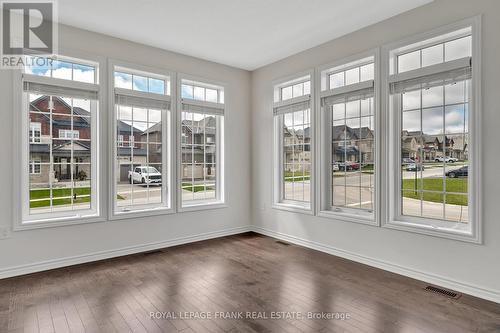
x=206, y=125
x=85, y=115
x=361, y=134
x=408, y=139
x=60, y=148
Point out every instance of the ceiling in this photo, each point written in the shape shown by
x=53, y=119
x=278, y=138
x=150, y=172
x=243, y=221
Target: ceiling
x=246, y=34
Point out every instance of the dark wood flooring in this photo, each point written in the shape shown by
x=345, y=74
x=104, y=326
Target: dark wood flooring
x=233, y=276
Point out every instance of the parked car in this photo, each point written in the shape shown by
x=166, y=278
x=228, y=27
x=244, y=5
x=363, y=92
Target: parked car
x=407, y=161
x=144, y=175
x=445, y=159
x=348, y=166
x=415, y=167
x=460, y=172
x=335, y=167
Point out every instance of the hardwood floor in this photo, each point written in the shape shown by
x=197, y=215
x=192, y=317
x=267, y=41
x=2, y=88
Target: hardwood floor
x=233, y=276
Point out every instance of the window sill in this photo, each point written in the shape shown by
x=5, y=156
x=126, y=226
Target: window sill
x=57, y=222
x=460, y=234
x=293, y=207
x=138, y=213
x=367, y=219
x=203, y=205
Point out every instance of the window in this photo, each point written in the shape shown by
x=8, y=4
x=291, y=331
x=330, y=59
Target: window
x=293, y=134
x=149, y=83
x=432, y=90
x=201, y=92
x=120, y=140
x=202, y=139
x=295, y=90
x=73, y=70
x=35, y=166
x=35, y=132
x=69, y=134
x=61, y=164
x=348, y=139
x=142, y=138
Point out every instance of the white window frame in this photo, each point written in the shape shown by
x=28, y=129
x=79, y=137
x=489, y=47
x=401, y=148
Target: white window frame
x=221, y=192
x=34, y=127
x=168, y=135
x=35, y=162
x=69, y=134
x=324, y=206
x=120, y=141
x=22, y=218
x=393, y=218
x=277, y=186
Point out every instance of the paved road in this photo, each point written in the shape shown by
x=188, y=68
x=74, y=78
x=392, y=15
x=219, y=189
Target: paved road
x=138, y=194
x=431, y=171
x=354, y=189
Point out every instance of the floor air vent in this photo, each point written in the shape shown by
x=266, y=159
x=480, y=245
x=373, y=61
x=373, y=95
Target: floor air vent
x=444, y=292
x=282, y=243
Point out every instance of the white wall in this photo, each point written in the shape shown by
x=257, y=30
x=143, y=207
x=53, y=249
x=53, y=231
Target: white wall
x=470, y=267
x=36, y=246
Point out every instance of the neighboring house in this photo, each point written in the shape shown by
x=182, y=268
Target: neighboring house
x=41, y=144
x=297, y=149
x=409, y=147
x=130, y=151
x=430, y=147
x=460, y=149
x=352, y=145
x=198, y=148
x=60, y=128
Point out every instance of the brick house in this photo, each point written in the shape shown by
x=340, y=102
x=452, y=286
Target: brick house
x=46, y=136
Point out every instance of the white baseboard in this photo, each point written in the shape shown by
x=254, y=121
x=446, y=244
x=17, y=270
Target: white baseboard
x=462, y=287
x=80, y=259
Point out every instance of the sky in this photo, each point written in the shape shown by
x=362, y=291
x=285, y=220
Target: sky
x=442, y=110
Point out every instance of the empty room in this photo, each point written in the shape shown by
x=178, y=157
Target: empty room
x=250, y=166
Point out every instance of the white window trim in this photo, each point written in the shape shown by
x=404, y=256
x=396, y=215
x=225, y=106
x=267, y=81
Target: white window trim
x=120, y=141
x=323, y=205
x=34, y=126
x=32, y=163
x=63, y=134
x=168, y=144
x=220, y=200
x=277, y=151
x=20, y=156
x=391, y=215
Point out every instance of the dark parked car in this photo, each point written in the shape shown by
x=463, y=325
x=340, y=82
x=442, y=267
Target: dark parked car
x=415, y=167
x=348, y=166
x=460, y=172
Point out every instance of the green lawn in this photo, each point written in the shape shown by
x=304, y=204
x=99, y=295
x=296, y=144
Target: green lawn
x=58, y=192
x=195, y=188
x=297, y=177
x=458, y=185
x=58, y=196
x=367, y=168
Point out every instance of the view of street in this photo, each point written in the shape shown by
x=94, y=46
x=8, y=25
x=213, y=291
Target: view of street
x=354, y=189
